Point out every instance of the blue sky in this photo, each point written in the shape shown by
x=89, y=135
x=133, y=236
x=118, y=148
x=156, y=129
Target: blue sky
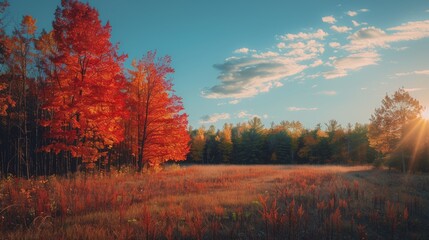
x=310, y=61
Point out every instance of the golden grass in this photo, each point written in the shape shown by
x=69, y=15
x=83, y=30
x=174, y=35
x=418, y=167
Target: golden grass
x=218, y=202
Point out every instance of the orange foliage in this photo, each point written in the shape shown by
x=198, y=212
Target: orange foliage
x=157, y=124
x=84, y=95
x=6, y=100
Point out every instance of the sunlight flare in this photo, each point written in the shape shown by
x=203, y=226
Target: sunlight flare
x=425, y=114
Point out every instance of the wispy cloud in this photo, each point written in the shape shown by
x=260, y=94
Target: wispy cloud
x=352, y=13
x=363, y=46
x=245, y=114
x=214, y=118
x=296, y=109
x=319, y=34
x=354, y=61
x=417, y=72
x=422, y=72
x=329, y=19
x=328, y=93
x=251, y=72
x=248, y=76
x=356, y=24
x=235, y=101
x=316, y=63
x=336, y=73
x=334, y=44
x=340, y=29
x=413, y=89
x=281, y=45
x=243, y=50
x=372, y=37
x=357, y=60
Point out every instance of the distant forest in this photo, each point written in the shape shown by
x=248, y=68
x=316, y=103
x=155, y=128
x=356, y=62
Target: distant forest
x=284, y=143
x=397, y=137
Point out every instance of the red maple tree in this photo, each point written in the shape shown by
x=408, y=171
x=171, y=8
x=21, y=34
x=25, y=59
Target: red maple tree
x=84, y=94
x=157, y=125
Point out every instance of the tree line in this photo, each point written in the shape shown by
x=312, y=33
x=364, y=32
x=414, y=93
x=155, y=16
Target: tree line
x=397, y=137
x=67, y=102
x=283, y=143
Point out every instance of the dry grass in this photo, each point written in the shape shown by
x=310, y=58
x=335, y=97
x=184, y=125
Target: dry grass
x=218, y=202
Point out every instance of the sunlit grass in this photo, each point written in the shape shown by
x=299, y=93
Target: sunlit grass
x=219, y=202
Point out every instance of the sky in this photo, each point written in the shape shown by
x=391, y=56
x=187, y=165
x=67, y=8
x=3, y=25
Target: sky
x=307, y=61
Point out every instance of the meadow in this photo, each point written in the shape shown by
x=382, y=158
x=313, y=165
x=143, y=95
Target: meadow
x=219, y=202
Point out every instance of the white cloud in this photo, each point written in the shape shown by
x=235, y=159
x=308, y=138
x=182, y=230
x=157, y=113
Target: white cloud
x=403, y=74
x=250, y=75
x=336, y=73
x=422, y=72
x=328, y=93
x=372, y=37
x=363, y=10
x=242, y=50
x=354, y=61
x=351, y=13
x=334, y=44
x=316, y=63
x=214, y=118
x=297, y=45
x=281, y=45
x=319, y=34
x=413, y=89
x=245, y=114
x=302, y=51
x=235, y=101
x=329, y=19
x=340, y=29
x=313, y=76
x=417, y=72
x=278, y=84
x=412, y=27
x=242, y=114
x=357, y=60
x=296, y=109
x=255, y=72
x=401, y=48
x=266, y=54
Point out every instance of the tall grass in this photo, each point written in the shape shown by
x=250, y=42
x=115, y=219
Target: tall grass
x=218, y=202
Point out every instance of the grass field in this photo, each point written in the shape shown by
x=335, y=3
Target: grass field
x=219, y=202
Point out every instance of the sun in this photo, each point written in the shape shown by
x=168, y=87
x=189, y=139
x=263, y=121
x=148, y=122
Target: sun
x=425, y=114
